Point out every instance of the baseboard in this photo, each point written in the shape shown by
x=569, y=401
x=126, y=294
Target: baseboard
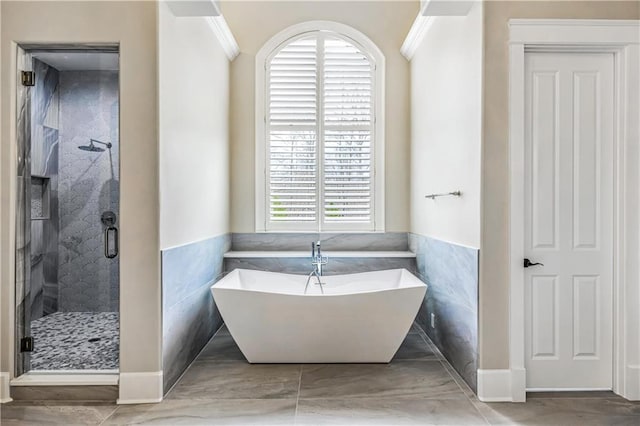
x=631, y=389
x=140, y=388
x=5, y=392
x=502, y=385
x=56, y=378
x=518, y=385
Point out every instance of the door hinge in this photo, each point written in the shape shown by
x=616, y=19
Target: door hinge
x=26, y=344
x=28, y=78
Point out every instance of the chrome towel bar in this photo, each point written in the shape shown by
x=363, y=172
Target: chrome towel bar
x=445, y=194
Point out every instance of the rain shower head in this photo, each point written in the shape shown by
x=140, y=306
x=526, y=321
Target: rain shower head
x=92, y=148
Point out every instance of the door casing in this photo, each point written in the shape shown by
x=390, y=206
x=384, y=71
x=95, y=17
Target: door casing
x=62, y=378
x=622, y=38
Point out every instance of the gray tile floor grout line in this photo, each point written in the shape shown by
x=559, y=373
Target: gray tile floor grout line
x=295, y=414
x=481, y=414
x=468, y=398
x=458, y=378
x=432, y=346
x=415, y=360
x=448, y=367
x=191, y=363
x=110, y=414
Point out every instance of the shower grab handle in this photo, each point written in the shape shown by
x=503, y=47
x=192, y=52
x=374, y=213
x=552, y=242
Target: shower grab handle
x=108, y=219
x=108, y=253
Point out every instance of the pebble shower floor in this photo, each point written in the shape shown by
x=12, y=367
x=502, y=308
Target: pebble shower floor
x=76, y=341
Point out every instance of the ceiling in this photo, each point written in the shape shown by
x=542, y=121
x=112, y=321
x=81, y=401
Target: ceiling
x=79, y=61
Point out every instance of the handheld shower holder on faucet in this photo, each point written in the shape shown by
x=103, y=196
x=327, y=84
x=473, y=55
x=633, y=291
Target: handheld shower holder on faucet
x=317, y=259
x=322, y=260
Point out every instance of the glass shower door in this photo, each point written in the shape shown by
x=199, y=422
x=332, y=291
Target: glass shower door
x=67, y=264
x=24, y=343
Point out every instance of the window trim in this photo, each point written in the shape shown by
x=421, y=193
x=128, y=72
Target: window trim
x=378, y=194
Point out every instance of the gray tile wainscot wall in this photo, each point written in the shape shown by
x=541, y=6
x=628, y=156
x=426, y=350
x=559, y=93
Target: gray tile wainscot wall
x=189, y=315
x=451, y=272
x=296, y=249
x=389, y=241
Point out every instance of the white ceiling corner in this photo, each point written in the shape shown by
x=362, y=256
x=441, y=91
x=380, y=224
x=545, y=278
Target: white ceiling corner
x=191, y=8
x=429, y=9
x=209, y=9
x=446, y=7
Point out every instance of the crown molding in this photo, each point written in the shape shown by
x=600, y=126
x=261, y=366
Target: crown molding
x=428, y=11
x=210, y=10
x=416, y=34
x=222, y=31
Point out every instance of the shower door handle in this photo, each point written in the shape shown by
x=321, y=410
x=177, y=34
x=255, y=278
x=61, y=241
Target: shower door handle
x=109, y=233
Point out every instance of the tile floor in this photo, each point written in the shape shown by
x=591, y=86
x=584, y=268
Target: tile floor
x=417, y=388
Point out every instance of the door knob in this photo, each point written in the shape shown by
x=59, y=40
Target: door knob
x=528, y=263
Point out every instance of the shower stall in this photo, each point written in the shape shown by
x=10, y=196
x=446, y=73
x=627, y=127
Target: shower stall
x=67, y=260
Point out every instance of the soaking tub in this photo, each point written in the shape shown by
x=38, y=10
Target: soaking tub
x=357, y=318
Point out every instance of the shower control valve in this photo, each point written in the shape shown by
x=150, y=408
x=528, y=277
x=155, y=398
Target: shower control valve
x=108, y=218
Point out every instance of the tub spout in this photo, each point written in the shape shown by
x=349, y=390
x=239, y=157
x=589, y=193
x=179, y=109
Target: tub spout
x=317, y=261
x=314, y=273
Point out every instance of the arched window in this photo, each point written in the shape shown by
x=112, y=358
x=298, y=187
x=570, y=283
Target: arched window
x=320, y=131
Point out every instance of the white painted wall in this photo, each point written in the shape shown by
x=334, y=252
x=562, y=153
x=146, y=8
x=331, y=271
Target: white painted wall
x=446, y=129
x=194, y=131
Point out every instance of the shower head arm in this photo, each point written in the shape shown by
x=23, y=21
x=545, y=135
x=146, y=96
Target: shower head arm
x=107, y=144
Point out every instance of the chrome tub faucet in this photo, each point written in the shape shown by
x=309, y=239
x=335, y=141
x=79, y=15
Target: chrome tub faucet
x=317, y=261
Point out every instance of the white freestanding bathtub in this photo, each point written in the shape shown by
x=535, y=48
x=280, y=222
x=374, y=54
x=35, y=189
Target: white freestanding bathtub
x=359, y=317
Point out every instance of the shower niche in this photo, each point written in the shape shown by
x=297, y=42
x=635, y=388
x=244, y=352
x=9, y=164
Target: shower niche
x=67, y=278
x=40, y=193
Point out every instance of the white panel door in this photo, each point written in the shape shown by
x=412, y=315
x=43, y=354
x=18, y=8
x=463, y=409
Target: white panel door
x=569, y=220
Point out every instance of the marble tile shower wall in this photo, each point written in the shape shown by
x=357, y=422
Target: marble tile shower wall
x=88, y=186
x=451, y=272
x=44, y=191
x=189, y=315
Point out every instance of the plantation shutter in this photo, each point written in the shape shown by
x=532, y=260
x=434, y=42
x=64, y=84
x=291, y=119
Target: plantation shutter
x=293, y=168
x=348, y=76
x=319, y=129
